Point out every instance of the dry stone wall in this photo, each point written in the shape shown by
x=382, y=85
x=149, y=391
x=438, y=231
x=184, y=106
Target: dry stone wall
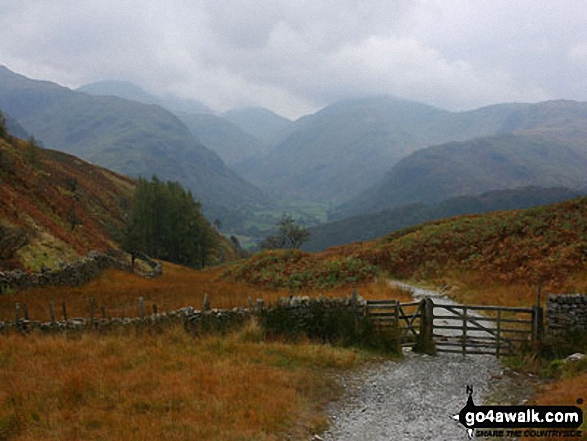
x=193, y=320
x=301, y=310
x=73, y=274
x=566, y=312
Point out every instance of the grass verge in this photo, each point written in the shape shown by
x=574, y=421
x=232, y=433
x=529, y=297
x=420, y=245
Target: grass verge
x=166, y=385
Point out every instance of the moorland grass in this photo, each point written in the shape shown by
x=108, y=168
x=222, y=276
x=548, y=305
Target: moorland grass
x=166, y=385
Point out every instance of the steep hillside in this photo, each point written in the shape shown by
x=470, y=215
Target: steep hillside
x=126, y=136
x=472, y=167
x=372, y=226
x=234, y=141
x=56, y=207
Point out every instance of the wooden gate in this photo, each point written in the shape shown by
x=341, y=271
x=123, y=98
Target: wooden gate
x=404, y=318
x=465, y=329
x=494, y=330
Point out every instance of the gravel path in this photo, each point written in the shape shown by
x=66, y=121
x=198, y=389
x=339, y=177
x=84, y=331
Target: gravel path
x=415, y=398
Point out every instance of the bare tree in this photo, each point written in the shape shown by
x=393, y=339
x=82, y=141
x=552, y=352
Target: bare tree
x=289, y=235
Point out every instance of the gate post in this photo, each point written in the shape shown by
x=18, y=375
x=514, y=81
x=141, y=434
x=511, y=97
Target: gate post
x=537, y=324
x=425, y=342
x=396, y=329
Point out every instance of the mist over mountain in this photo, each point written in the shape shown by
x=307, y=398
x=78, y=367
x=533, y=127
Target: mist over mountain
x=130, y=91
x=365, y=154
x=264, y=124
x=472, y=167
x=226, y=139
x=236, y=136
x=125, y=136
x=14, y=127
x=350, y=145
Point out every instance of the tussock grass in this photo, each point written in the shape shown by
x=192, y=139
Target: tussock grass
x=166, y=385
x=179, y=286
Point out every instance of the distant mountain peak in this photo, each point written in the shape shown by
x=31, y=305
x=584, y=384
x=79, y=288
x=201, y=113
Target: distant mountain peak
x=131, y=91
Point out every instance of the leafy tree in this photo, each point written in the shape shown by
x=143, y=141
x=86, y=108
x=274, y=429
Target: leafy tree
x=166, y=223
x=289, y=235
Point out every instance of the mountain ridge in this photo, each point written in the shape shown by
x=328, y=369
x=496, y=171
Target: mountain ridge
x=471, y=167
x=128, y=137
x=349, y=146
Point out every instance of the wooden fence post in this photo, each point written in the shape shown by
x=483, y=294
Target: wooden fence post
x=52, y=311
x=25, y=312
x=103, y=308
x=142, y=307
x=92, y=316
x=206, y=304
x=396, y=329
x=64, y=308
x=537, y=324
x=154, y=309
x=355, y=309
x=16, y=312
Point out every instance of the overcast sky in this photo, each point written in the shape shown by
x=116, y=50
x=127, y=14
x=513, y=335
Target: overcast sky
x=297, y=56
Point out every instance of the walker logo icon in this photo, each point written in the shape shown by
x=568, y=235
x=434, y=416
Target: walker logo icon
x=484, y=419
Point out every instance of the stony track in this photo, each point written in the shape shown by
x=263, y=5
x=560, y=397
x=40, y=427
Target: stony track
x=414, y=398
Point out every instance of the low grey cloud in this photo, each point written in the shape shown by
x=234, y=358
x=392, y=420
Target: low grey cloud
x=296, y=57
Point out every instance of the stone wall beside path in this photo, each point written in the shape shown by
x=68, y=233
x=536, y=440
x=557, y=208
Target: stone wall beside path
x=565, y=312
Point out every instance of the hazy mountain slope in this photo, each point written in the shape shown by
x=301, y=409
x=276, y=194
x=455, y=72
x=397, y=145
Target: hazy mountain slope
x=472, y=167
x=130, y=91
x=349, y=146
x=372, y=226
x=344, y=148
x=225, y=138
x=126, y=136
x=264, y=124
x=14, y=127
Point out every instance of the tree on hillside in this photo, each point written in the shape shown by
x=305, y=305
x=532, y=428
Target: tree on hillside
x=166, y=223
x=32, y=152
x=3, y=128
x=289, y=235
